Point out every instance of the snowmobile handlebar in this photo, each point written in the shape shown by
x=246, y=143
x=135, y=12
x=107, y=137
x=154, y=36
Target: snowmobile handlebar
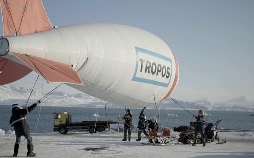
x=217, y=122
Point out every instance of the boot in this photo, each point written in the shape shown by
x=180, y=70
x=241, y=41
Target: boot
x=156, y=141
x=16, y=150
x=124, y=139
x=150, y=141
x=129, y=139
x=204, y=141
x=139, y=139
x=30, y=153
x=194, y=141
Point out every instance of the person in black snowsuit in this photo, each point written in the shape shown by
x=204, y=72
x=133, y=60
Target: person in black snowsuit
x=153, y=128
x=199, y=128
x=21, y=128
x=127, y=125
x=142, y=124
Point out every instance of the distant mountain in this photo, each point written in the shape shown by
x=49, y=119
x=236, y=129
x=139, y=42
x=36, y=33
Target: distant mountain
x=13, y=94
x=169, y=103
x=236, y=104
x=240, y=100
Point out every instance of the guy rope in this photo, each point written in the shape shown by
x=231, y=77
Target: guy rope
x=182, y=106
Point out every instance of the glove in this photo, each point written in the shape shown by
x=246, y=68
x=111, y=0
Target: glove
x=38, y=102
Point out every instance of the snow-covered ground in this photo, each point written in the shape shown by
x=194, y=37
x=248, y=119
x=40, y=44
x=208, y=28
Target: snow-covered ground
x=108, y=144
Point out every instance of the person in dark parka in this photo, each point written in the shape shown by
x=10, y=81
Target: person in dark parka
x=153, y=128
x=21, y=128
x=127, y=125
x=199, y=128
x=142, y=124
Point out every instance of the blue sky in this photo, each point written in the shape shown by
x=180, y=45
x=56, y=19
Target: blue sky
x=212, y=40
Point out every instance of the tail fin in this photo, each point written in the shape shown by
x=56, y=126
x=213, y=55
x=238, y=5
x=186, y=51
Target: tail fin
x=21, y=17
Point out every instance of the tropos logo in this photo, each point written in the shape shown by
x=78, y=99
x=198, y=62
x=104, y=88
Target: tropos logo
x=152, y=68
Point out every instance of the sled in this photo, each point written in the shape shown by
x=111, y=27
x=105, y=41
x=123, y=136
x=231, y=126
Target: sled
x=163, y=139
x=155, y=144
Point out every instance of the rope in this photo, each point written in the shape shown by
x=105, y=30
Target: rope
x=6, y=60
x=39, y=113
x=30, y=57
x=167, y=111
x=182, y=107
x=158, y=109
x=24, y=9
x=30, y=95
x=106, y=110
x=38, y=120
x=9, y=11
x=45, y=96
x=31, y=91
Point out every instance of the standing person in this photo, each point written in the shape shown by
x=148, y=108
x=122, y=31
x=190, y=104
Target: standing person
x=199, y=128
x=127, y=125
x=21, y=128
x=142, y=124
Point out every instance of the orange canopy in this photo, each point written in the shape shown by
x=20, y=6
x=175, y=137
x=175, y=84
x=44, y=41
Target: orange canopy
x=11, y=71
x=52, y=71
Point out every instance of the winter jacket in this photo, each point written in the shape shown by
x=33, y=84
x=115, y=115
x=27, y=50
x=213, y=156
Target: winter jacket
x=18, y=119
x=200, y=122
x=142, y=120
x=128, y=120
x=153, y=125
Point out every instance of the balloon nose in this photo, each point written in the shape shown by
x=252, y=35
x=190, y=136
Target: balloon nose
x=4, y=46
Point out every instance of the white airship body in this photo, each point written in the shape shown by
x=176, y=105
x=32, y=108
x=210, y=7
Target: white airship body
x=120, y=64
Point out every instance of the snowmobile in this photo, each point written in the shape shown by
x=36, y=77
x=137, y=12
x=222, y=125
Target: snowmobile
x=211, y=132
x=186, y=135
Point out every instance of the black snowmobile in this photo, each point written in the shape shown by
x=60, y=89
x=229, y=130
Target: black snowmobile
x=211, y=132
x=187, y=133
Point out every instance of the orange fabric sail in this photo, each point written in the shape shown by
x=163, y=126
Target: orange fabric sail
x=52, y=71
x=21, y=17
x=11, y=71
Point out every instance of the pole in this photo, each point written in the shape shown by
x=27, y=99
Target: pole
x=158, y=110
x=118, y=123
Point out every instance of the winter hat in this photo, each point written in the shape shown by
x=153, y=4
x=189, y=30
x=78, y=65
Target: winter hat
x=154, y=120
x=16, y=106
x=201, y=112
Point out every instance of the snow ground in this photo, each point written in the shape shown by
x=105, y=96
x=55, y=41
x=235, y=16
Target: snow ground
x=109, y=145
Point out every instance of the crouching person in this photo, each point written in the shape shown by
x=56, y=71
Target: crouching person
x=21, y=128
x=153, y=128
